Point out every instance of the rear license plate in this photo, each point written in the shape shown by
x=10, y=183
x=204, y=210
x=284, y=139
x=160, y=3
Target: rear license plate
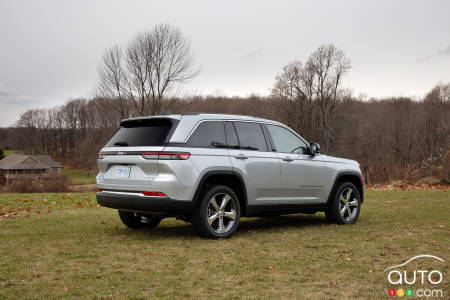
x=122, y=172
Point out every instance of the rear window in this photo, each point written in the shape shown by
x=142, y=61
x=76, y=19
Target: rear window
x=150, y=132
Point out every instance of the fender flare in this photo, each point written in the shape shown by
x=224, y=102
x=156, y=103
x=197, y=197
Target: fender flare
x=210, y=174
x=347, y=173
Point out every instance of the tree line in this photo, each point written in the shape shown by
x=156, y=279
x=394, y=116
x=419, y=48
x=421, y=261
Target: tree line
x=393, y=138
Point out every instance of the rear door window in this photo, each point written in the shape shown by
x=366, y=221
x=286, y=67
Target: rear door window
x=209, y=134
x=251, y=136
x=232, y=139
x=150, y=132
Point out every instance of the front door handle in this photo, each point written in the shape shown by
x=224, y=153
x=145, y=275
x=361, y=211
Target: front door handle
x=241, y=156
x=287, y=158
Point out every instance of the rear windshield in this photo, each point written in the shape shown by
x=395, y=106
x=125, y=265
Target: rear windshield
x=153, y=132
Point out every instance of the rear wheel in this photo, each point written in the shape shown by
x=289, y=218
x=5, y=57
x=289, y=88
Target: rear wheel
x=218, y=213
x=137, y=221
x=345, y=206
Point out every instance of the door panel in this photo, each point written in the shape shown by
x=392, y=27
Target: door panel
x=261, y=171
x=251, y=157
x=302, y=178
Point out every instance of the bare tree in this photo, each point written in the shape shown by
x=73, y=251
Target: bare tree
x=329, y=65
x=295, y=84
x=113, y=81
x=173, y=63
x=151, y=67
x=443, y=89
x=314, y=84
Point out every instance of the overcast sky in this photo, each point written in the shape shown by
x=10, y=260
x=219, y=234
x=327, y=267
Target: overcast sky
x=50, y=50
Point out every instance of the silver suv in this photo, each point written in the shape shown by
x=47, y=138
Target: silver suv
x=213, y=169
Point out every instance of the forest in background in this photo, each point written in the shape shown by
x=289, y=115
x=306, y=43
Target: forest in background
x=395, y=138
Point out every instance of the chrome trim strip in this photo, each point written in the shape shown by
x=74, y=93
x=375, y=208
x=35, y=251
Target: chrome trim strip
x=138, y=194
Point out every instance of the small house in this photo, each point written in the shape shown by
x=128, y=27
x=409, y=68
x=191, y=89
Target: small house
x=16, y=166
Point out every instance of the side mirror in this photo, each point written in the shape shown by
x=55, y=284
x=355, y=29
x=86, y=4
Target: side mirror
x=314, y=148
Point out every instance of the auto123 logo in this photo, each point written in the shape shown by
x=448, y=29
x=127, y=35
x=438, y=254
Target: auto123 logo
x=420, y=281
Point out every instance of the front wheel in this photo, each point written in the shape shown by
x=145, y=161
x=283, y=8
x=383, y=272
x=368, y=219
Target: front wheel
x=137, y=221
x=345, y=205
x=218, y=213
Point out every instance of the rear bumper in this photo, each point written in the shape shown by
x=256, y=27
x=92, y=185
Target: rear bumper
x=128, y=201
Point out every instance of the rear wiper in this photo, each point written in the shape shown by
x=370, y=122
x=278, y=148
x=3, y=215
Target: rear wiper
x=121, y=144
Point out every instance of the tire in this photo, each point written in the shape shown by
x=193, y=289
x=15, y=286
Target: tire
x=136, y=221
x=215, y=218
x=344, y=208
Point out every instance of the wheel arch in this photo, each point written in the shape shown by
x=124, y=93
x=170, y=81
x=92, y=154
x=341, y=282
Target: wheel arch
x=353, y=177
x=223, y=177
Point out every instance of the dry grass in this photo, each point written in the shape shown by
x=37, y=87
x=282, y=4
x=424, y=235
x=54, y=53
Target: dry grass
x=79, y=177
x=25, y=205
x=88, y=253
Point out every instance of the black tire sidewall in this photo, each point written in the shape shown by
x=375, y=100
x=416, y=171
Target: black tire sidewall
x=131, y=220
x=153, y=221
x=200, y=218
x=335, y=205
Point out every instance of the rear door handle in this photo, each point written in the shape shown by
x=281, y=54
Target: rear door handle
x=241, y=156
x=288, y=159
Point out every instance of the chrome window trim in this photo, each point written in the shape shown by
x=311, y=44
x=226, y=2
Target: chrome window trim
x=247, y=121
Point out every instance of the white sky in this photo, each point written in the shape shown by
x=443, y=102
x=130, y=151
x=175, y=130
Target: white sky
x=50, y=50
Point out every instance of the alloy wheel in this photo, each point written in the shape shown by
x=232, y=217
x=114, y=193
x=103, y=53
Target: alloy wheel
x=348, y=205
x=221, y=213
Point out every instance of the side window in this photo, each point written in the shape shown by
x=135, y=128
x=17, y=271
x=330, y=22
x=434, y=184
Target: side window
x=209, y=134
x=251, y=136
x=232, y=139
x=285, y=141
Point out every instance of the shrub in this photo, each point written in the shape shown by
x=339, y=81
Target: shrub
x=51, y=184
x=430, y=181
x=445, y=173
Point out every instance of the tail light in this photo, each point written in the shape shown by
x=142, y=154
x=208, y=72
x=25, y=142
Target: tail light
x=101, y=155
x=166, y=155
x=154, y=194
x=99, y=191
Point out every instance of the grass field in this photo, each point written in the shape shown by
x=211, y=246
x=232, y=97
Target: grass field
x=79, y=177
x=69, y=247
x=8, y=152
